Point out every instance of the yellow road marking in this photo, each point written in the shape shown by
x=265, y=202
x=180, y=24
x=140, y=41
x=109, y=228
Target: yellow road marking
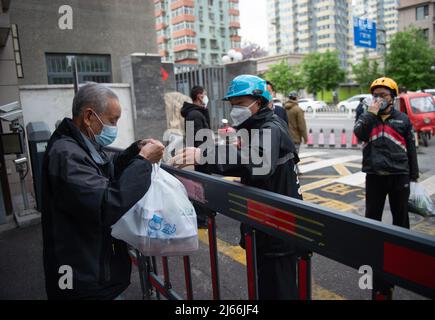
x=236, y=253
x=311, y=159
x=425, y=228
x=319, y=177
x=316, y=184
x=326, y=202
x=342, y=170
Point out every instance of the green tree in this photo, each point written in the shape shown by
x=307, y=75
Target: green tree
x=410, y=60
x=322, y=71
x=366, y=72
x=285, y=78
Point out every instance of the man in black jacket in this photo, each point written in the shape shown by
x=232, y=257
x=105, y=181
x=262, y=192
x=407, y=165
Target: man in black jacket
x=196, y=114
x=277, y=109
x=389, y=158
x=276, y=258
x=84, y=193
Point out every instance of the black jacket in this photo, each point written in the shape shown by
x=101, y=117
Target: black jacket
x=359, y=111
x=389, y=146
x=280, y=112
x=84, y=193
x=281, y=178
x=201, y=120
x=199, y=116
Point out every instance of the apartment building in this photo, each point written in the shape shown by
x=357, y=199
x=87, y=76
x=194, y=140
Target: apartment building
x=193, y=32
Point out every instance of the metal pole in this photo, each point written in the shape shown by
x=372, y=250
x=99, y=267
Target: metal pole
x=75, y=75
x=213, y=256
x=251, y=263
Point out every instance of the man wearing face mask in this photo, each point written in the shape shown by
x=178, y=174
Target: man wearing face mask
x=389, y=158
x=85, y=191
x=197, y=114
x=249, y=98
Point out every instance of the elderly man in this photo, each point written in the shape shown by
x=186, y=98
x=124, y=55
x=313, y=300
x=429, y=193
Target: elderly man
x=84, y=193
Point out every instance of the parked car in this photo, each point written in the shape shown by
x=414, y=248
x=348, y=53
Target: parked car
x=351, y=103
x=309, y=105
x=420, y=108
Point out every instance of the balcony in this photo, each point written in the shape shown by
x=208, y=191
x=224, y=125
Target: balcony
x=234, y=12
x=184, y=17
x=182, y=3
x=235, y=25
x=161, y=26
x=162, y=39
x=186, y=46
x=183, y=32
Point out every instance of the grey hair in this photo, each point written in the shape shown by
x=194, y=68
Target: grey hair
x=93, y=95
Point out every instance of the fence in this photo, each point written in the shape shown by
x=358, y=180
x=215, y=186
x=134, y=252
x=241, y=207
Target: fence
x=402, y=257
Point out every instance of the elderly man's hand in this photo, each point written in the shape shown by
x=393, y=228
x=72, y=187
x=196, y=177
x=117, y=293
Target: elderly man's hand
x=152, y=150
x=186, y=157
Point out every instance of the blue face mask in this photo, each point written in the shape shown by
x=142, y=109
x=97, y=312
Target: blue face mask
x=107, y=135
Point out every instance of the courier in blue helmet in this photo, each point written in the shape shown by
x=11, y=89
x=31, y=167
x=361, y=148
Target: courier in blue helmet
x=249, y=99
x=247, y=94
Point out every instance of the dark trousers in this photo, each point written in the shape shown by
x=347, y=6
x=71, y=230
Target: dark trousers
x=397, y=188
x=277, y=277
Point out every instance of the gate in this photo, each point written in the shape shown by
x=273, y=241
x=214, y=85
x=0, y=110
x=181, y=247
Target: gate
x=402, y=257
x=212, y=78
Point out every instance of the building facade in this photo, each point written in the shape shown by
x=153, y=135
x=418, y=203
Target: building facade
x=101, y=33
x=309, y=25
x=193, y=32
x=420, y=14
x=385, y=14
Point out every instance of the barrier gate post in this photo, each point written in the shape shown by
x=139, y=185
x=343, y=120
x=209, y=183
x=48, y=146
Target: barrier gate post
x=304, y=276
x=251, y=264
x=211, y=223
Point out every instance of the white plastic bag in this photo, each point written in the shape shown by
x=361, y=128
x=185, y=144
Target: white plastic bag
x=163, y=222
x=419, y=201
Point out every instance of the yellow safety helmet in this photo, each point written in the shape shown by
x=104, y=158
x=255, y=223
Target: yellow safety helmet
x=387, y=83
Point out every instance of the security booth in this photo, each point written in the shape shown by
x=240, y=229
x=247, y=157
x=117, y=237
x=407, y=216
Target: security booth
x=10, y=143
x=38, y=135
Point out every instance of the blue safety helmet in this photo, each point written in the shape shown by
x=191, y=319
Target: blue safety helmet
x=248, y=85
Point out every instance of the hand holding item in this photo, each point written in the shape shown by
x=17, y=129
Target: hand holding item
x=186, y=157
x=152, y=150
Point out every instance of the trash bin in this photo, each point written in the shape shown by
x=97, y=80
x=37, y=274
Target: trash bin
x=38, y=135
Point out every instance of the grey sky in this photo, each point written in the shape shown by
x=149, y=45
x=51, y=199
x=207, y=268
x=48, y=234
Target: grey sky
x=253, y=21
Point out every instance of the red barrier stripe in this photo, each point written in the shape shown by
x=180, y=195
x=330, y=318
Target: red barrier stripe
x=409, y=264
x=255, y=208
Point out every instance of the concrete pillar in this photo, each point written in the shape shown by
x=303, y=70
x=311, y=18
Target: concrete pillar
x=144, y=74
x=235, y=69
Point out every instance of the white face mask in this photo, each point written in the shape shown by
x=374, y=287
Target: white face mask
x=205, y=101
x=240, y=114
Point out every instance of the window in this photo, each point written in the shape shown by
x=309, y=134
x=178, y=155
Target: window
x=422, y=12
x=425, y=33
x=96, y=68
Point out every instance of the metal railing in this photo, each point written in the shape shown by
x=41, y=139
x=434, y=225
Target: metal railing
x=399, y=256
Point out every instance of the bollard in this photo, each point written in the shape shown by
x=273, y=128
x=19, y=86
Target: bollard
x=354, y=141
x=310, y=141
x=343, y=139
x=321, y=139
x=332, y=139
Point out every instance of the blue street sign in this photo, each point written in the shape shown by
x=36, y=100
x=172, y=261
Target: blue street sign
x=364, y=33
